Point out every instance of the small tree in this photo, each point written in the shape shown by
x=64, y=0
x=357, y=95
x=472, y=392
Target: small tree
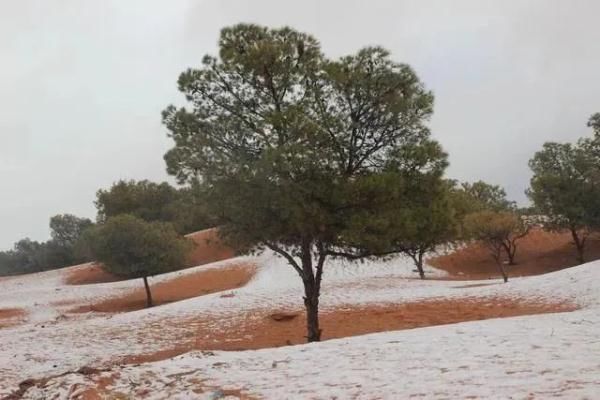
x=132, y=248
x=499, y=231
x=565, y=187
x=420, y=221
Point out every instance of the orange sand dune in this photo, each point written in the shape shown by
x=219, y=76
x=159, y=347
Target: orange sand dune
x=537, y=253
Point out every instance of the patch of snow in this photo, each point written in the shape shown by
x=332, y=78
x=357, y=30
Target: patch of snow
x=546, y=355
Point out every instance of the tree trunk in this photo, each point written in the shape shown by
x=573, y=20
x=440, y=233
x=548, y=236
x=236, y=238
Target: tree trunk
x=417, y=257
x=510, y=248
x=311, y=302
x=579, y=245
x=419, y=262
x=503, y=271
x=497, y=255
x=311, y=279
x=312, y=289
x=148, y=293
x=511, y=254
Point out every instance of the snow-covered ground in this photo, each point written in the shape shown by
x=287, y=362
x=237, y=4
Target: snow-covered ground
x=525, y=357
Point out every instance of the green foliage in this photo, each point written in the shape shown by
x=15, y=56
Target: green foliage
x=468, y=198
x=150, y=201
x=499, y=231
x=143, y=199
x=129, y=247
x=278, y=126
x=8, y=263
x=594, y=123
x=424, y=221
x=415, y=210
x=301, y=153
x=484, y=196
x=66, y=229
x=565, y=184
x=494, y=226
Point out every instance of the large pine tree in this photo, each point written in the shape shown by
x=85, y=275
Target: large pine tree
x=301, y=153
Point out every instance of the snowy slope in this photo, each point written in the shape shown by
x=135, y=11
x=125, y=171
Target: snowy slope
x=492, y=359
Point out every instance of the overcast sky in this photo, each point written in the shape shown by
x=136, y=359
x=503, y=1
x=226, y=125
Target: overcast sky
x=82, y=84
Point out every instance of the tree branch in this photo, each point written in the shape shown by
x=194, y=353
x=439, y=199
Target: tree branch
x=290, y=259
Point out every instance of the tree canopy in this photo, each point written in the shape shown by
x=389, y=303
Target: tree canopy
x=66, y=229
x=300, y=151
x=130, y=247
x=566, y=188
x=594, y=123
x=499, y=231
x=485, y=196
x=151, y=201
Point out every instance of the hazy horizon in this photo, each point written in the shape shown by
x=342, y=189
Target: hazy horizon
x=82, y=84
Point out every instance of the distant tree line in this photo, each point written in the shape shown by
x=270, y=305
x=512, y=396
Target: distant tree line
x=61, y=250
x=71, y=239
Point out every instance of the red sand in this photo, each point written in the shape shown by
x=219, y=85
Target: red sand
x=262, y=330
x=180, y=288
x=11, y=316
x=537, y=253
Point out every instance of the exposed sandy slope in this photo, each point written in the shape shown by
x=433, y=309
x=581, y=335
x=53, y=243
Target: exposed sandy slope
x=199, y=283
x=11, y=316
x=264, y=329
x=537, y=253
x=209, y=248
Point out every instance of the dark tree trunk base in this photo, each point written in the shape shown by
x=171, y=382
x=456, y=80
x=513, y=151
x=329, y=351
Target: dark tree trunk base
x=311, y=303
x=503, y=272
x=421, y=271
x=148, y=293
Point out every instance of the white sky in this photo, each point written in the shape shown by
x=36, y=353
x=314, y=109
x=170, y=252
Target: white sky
x=82, y=84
